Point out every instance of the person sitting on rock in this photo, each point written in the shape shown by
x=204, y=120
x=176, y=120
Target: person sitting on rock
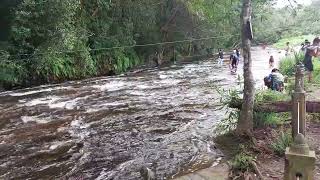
x=275, y=80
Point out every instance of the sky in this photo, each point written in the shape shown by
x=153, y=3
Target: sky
x=283, y=3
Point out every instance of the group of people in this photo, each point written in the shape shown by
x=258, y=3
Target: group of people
x=310, y=51
x=275, y=80
x=234, y=59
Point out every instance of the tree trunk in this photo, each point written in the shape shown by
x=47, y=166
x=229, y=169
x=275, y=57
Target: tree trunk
x=245, y=123
x=277, y=107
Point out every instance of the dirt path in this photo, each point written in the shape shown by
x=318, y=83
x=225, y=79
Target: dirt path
x=272, y=166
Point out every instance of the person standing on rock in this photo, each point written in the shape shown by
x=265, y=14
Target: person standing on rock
x=311, y=51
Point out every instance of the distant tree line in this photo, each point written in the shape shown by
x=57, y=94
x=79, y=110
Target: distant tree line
x=46, y=41
x=273, y=24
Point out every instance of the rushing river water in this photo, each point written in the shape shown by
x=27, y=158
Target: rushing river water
x=112, y=127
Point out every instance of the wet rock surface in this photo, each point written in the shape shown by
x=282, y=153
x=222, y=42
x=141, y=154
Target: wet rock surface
x=113, y=127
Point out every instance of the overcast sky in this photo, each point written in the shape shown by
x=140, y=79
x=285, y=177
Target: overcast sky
x=283, y=3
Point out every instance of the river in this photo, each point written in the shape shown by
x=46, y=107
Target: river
x=112, y=127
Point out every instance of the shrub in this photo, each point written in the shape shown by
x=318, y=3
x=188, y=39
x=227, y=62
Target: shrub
x=242, y=162
x=229, y=123
x=261, y=119
x=298, y=57
x=10, y=72
x=281, y=143
x=287, y=66
x=226, y=98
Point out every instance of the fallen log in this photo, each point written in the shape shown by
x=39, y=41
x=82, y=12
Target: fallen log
x=278, y=106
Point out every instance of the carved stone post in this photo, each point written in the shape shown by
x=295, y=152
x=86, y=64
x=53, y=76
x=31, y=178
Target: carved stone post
x=300, y=161
x=299, y=104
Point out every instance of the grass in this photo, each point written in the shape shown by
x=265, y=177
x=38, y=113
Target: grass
x=262, y=119
x=316, y=72
x=269, y=96
x=294, y=41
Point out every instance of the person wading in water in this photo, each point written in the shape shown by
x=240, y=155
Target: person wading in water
x=271, y=61
x=288, y=49
x=234, y=60
x=220, y=59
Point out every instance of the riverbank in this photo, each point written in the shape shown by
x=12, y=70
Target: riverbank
x=229, y=144
x=270, y=138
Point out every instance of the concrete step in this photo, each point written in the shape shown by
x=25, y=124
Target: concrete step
x=219, y=172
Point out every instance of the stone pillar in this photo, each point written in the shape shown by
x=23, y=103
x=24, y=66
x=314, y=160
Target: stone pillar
x=299, y=104
x=300, y=161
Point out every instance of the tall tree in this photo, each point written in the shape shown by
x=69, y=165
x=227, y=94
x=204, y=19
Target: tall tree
x=245, y=123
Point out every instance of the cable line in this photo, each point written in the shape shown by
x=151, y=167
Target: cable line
x=123, y=47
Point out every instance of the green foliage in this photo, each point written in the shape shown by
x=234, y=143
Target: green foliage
x=53, y=41
x=280, y=144
x=10, y=72
x=223, y=18
x=242, y=162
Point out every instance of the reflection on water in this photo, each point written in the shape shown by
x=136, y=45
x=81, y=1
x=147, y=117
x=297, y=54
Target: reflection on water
x=111, y=127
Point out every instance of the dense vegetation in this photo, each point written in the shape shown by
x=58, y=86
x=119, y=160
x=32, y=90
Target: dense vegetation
x=54, y=40
x=272, y=24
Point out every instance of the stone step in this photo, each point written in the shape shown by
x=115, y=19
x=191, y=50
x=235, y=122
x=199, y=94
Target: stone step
x=219, y=172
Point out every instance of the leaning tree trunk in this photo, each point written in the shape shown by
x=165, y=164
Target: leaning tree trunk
x=245, y=123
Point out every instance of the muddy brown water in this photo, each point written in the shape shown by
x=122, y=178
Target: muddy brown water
x=111, y=127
